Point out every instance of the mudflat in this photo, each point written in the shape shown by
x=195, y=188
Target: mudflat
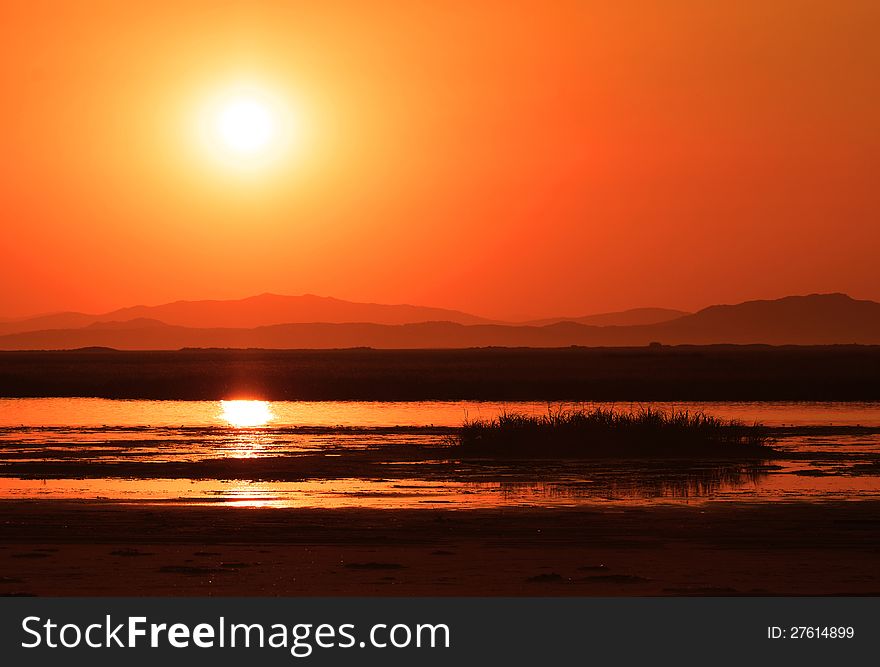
x=94, y=548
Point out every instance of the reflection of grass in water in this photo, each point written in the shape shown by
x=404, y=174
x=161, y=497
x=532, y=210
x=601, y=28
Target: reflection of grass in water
x=608, y=432
x=695, y=482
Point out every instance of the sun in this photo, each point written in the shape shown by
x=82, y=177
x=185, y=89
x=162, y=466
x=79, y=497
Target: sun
x=242, y=414
x=246, y=125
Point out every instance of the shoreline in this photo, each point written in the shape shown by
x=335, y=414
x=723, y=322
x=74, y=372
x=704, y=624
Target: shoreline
x=80, y=548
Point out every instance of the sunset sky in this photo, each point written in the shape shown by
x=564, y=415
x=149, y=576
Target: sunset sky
x=507, y=159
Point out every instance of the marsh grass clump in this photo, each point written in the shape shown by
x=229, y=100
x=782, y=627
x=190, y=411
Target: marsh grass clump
x=606, y=432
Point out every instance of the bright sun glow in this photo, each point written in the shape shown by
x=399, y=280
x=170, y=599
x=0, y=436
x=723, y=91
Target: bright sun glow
x=246, y=413
x=246, y=126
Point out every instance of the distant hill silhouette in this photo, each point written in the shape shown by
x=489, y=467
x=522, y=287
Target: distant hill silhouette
x=817, y=319
x=53, y=321
x=623, y=318
x=814, y=319
x=255, y=311
x=136, y=323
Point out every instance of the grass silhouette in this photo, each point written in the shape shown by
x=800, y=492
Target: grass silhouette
x=606, y=432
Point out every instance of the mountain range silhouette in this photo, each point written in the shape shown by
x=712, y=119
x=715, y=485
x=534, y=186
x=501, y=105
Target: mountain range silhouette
x=308, y=321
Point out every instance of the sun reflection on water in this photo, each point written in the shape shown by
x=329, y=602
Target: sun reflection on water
x=244, y=414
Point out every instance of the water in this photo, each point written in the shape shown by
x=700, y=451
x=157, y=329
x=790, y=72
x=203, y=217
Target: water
x=82, y=412
x=354, y=454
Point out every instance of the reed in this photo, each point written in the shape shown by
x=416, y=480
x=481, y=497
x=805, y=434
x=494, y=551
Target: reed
x=607, y=432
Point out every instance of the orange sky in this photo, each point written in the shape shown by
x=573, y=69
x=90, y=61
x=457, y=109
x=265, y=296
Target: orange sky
x=511, y=159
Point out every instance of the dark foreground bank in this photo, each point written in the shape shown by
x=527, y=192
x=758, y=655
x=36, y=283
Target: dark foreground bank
x=107, y=549
x=631, y=374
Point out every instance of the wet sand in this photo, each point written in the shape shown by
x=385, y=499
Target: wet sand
x=103, y=548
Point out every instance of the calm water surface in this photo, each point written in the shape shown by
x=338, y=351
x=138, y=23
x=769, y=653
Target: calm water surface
x=78, y=412
x=826, y=463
